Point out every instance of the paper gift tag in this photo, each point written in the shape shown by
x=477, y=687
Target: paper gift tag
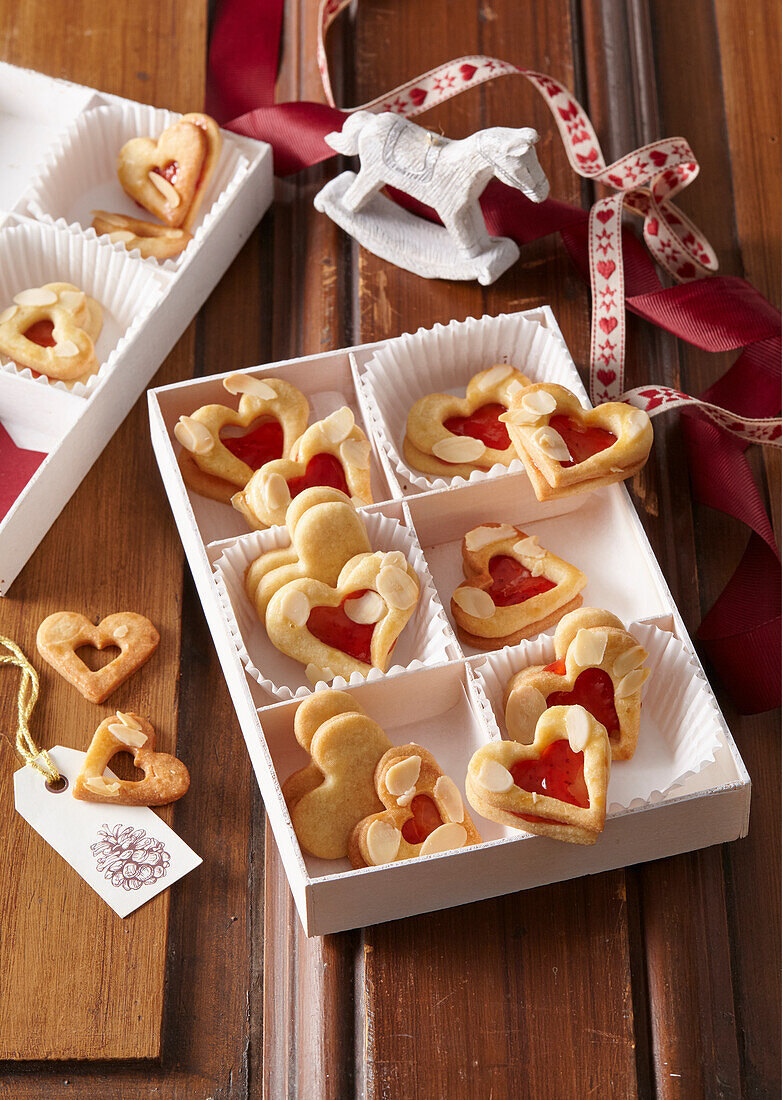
x=127, y=854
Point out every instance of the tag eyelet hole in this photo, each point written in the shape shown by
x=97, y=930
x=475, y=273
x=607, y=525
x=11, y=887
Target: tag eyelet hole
x=57, y=786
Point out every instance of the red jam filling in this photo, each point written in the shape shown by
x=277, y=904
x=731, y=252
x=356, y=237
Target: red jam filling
x=558, y=773
x=42, y=334
x=512, y=583
x=426, y=818
x=262, y=443
x=322, y=469
x=582, y=442
x=169, y=171
x=332, y=626
x=594, y=691
x=483, y=424
x=557, y=666
x=537, y=820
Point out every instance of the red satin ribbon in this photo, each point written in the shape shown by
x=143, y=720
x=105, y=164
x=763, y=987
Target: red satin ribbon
x=741, y=633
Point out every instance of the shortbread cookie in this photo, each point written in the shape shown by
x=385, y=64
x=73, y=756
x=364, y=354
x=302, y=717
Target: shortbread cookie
x=325, y=531
x=157, y=242
x=452, y=436
x=61, y=634
x=352, y=627
x=514, y=589
x=222, y=447
x=567, y=449
x=169, y=177
x=424, y=812
x=52, y=329
x=165, y=778
x=333, y=452
x=555, y=787
x=598, y=665
x=337, y=789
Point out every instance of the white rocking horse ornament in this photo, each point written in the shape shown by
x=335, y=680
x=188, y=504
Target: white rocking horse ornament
x=449, y=176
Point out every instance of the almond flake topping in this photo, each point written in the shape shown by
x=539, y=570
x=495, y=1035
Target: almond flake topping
x=629, y=660
x=494, y=375
x=295, y=606
x=315, y=674
x=122, y=236
x=631, y=683
x=397, y=587
x=7, y=314
x=525, y=705
x=121, y=632
x=513, y=387
x=98, y=785
x=383, y=842
x=474, y=602
x=368, y=608
x=403, y=775
x=194, y=436
x=71, y=299
x=528, y=547
x=579, y=728
x=36, y=296
x=338, y=425
x=540, y=402
x=551, y=444
x=128, y=719
x=458, y=448
x=636, y=421
x=166, y=189
x=355, y=452
x=406, y=798
x=132, y=738
x=276, y=493
x=493, y=776
x=444, y=839
x=395, y=557
x=448, y=793
x=65, y=349
x=589, y=647
x=485, y=536
x=245, y=383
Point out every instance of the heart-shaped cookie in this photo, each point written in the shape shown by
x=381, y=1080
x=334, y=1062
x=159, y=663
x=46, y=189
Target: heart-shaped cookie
x=514, y=588
x=337, y=789
x=555, y=787
x=333, y=452
x=157, y=242
x=453, y=436
x=598, y=666
x=169, y=177
x=424, y=812
x=567, y=449
x=52, y=329
x=61, y=634
x=165, y=778
x=325, y=531
x=352, y=627
x=222, y=447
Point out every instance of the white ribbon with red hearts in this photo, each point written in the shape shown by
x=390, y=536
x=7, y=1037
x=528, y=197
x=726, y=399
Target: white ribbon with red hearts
x=645, y=181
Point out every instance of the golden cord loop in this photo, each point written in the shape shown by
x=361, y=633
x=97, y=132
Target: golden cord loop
x=25, y=702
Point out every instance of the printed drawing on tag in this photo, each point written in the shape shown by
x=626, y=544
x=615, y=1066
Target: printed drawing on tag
x=128, y=858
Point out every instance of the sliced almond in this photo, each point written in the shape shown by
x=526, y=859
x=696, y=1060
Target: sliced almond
x=485, y=536
x=448, y=793
x=493, y=376
x=627, y=661
x=383, y=842
x=110, y=219
x=579, y=728
x=71, y=300
x=36, y=296
x=295, y=606
x=127, y=719
x=397, y=587
x=474, y=602
x=65, y=349
x=276, y=493
x=368, y=608
x=406, y=798
x=636, y=421
x=121, y=632
x=166, y=189
x=339, y=425
x=7, y=314
x=458, y=448
x=551, y=444
x=519, y=415
x=536, y=567
x=355, y=452
x=315, y=675
x=539, y=402
x=121, y=236
x=631, y=683
x=245, y=383
x=134, y=739
x=98, y=785
x=444, y=839
x=529, y=548
x=524, y=708
x=513, y=387
x=395, y=557
x=589, y=647
x=494, y=777
x=403, y=775
x=194, y=436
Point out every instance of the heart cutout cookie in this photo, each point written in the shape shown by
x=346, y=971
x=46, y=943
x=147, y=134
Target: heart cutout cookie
x=169, y=177
x=337, y=789
x=157, y=242
x=165, y=778
x=453, y=436
x=555, y=787
x=52, y=329
x=325, y=531
x=61, y=634
x=598, y=666
x=424, y=812
x=332, y=452
x=272, y=414
x=514, y=588
x=352, y=627
x=567, y=449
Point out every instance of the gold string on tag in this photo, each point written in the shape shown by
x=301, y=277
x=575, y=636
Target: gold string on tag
x=25, y=702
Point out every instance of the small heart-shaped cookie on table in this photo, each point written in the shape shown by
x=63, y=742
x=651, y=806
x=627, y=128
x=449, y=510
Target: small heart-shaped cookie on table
x=165, y=778
x=555, y=787
x=169, y=177
x=352, y=627
x=567, y=449
x=157, y=242
x=598, y=666
x=453, y=436
x=514, y=589
x=61, y=634
x=223, y=447
x=332, y=452
x=52, y=330
x=424, y=812
x=325, y=531
x=336, y=790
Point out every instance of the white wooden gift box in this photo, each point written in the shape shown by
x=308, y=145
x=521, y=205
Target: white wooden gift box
x=71, y=427
x=446, y=705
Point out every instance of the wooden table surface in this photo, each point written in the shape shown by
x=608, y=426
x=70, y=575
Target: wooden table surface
x=661, y=979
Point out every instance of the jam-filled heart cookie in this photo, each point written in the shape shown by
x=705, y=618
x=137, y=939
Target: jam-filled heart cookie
x=222, y=447
x=157, y=242
x=555, y=787
x=567, y=449
x=598, y=665
x=424, y=812
x=325, y=530
x=333, y=452
x=352, y=627
x=165, y=778
x=52, y=329
x=453, y=436
x=169, y=177
x=514, y=588
x=337, y=789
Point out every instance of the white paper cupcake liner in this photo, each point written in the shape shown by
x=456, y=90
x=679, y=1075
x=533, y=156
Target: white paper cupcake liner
x=443, y=359
x=32, y=255
x=680, y=730
x=425, y=640
x=79, y=175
